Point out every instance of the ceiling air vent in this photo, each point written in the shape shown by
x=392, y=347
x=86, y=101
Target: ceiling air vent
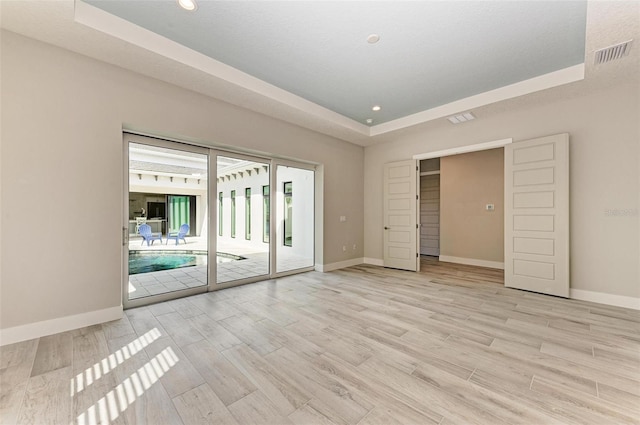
x=464, y=117
x=611, y=53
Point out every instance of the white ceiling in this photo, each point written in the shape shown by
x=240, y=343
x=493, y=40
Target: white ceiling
x=429, y=53
x=309, y=62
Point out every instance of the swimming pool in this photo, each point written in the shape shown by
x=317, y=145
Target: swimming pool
x=145, y=262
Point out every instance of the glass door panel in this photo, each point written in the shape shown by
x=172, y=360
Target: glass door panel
x=295, y=218
x=243, y=218
x=167, y=210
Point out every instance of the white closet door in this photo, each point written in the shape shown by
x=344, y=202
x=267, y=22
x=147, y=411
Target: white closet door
x=401, y=215
x=537, y=215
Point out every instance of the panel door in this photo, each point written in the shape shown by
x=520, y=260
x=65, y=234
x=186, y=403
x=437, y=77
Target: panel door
x=537, y=215
x=400, y=215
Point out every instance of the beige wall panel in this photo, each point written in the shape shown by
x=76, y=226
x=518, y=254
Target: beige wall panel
x=602, y=120
x=61, y=172
x=467, y=183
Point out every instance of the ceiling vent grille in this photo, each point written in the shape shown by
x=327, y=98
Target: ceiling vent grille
x=612, y=53
x=464, y=117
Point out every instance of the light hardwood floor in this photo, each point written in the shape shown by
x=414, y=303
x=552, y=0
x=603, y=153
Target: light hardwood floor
x=363, y=345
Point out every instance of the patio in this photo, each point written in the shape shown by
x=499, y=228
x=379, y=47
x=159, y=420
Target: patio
x=160, y=282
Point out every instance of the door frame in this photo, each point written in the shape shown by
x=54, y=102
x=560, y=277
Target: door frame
x=212, y=152
x=152, y=141
x=501, y=143
x=273, y=239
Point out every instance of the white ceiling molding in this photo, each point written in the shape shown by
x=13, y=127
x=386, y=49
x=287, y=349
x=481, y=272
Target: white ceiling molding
x=464, y=149
x=112, y=25
x=542, y=82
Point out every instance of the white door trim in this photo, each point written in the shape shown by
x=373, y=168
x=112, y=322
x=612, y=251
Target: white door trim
x=464, y=149
x=401, y=241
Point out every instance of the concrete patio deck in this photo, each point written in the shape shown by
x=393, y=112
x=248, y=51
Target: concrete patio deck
x=161, y=282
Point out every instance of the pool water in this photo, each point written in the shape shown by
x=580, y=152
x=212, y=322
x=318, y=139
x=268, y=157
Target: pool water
x=145, y=262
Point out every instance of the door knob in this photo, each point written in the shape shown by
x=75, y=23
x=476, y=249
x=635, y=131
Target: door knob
x=386, y=228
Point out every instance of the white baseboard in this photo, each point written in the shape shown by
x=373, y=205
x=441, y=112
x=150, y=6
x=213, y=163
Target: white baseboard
x=61, y=324
x=472, y=262
x=339, y=265
x=374, y=261
x=602, y=298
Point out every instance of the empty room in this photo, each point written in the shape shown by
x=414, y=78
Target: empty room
x=318, y=212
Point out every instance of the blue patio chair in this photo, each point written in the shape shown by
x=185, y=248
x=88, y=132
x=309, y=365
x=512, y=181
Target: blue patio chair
x=147, y=235
x=180, y=234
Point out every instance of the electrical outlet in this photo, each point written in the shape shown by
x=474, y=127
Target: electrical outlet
x=490, y=207
x=343, y=218
x=354, y=247
x=344, y=248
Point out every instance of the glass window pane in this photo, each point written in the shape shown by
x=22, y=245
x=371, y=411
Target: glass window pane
x=242, y=257
x=294, y=218
x=168, y=246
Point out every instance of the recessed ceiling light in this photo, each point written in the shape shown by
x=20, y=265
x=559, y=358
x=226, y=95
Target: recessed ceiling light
x=376, y=108
x=188, y=4
x=373, y=38
x=464, y=117
x=369, y=121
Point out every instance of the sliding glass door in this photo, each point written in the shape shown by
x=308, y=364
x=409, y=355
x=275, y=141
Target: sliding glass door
x=243, y=217
x=166, y=216
x=198, y=219
x=294, y=207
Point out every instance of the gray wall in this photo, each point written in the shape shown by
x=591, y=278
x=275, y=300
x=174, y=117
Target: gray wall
x=467, y=183
x=604, y=163
x=62, y=121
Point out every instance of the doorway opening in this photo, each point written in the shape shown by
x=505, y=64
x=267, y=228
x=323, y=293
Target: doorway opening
x=198, y=219
x=430, y=207
x=166, y=203
x=462, y=208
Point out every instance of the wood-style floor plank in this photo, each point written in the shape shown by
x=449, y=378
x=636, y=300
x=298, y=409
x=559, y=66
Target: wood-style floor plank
x=283, y=393
x=201, y=406
x=257, y=409
x=54, y=352
x=330, y=397
x=307, y=415
x=229, y=384
x=181, y=376
x=16, y=362
x=359, y=346
x=139, y=393
x=47, y=399
x=93, y=378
